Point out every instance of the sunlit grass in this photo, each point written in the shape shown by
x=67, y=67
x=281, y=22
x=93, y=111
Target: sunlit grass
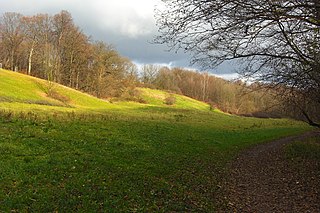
x=157, y=97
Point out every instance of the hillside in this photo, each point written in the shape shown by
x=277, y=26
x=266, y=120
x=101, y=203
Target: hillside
x=16, y=88
x=20, y=88
x=71, y=152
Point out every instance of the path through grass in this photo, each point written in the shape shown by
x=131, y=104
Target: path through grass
x=143, y=160
x=79, y=153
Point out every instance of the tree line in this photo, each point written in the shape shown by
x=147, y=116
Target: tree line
x=234, y=97
x=55, y=49
x=276, y=42
x=258, y=99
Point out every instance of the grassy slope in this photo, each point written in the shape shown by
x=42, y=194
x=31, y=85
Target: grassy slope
x=97, y=156
x=20, y=88
x=157, y=97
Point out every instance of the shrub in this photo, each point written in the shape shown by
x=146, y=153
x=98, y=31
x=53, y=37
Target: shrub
x=170, y=100
x=129, y=94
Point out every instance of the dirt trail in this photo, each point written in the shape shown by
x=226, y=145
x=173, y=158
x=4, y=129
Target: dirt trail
x=263, y=180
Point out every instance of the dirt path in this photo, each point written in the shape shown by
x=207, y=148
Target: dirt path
x=262, y=179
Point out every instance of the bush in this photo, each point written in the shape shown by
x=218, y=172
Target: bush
x=170, y=100
x=57, y=96
x=129, y=94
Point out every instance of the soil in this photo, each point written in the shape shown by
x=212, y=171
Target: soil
x=264, y=179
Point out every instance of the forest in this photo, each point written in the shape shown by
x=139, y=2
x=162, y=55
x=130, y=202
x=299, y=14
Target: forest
x=56, y=49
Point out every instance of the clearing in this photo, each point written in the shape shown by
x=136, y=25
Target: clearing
x=62, y=150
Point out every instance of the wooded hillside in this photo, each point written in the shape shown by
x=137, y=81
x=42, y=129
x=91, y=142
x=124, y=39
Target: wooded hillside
x=55, y=48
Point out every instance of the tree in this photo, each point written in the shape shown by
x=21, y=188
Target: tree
x=45, y=50
x=68, y=41
x=276, y=41
x=167, y=80
x=130, y=72
x=149, y=73
x=32, y=29
x=11, y=36
x=107, y=71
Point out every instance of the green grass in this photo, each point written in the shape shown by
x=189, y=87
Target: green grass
x=157, y=98
x=94, y=156
x=122, y=163
x=19, y=88
x=304, y=150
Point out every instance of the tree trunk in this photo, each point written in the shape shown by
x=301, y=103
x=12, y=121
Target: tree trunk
x=77, y=80
x=12, y=57
x=71, y=71
x=30, y=58
x=309, y=120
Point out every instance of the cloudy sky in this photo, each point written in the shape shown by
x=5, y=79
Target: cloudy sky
x=129, y=25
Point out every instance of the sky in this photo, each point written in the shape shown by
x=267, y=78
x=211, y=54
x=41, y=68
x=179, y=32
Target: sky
x=128, y=25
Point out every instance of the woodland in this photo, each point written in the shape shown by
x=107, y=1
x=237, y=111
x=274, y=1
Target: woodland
x=56, y=49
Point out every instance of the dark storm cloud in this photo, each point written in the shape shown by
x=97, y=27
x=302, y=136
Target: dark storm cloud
x=128, y=25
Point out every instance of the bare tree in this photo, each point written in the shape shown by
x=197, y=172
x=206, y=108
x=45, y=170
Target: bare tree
x=149, y=73
x=277, y=41
x=106, y=71
x=32, y=29
x=11, y=34
x=66, y=37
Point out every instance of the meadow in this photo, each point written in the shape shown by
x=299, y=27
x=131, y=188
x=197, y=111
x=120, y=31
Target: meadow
x=80, y=153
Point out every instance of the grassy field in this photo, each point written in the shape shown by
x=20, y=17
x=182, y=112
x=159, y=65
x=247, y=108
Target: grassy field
x=304, y=150
x=88, y=155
